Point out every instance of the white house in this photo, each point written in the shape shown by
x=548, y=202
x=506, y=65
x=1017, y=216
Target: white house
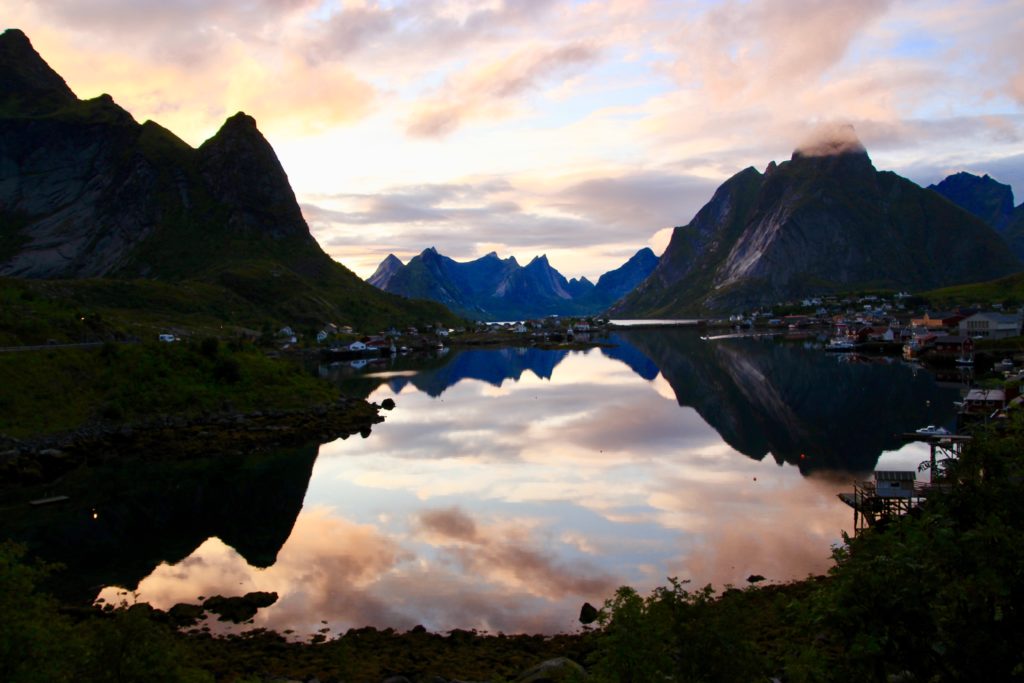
x=991, y=325
x=894, y=484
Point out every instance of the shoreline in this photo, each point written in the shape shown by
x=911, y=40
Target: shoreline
x=41, y=458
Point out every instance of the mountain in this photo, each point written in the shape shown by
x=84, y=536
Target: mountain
x=989, y=200
x=87, y=192
x=824, y=221
x=985, y=197
x=617, y=283
x=491, y=288
x=385, y=271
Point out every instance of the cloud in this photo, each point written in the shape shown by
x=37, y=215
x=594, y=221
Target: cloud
x=419, y=35
x=503, y=553
x=603, y=219
x=831, y=139
x=740, y=50
x=481, y=92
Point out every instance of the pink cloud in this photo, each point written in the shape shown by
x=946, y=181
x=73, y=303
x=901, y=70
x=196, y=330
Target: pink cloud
x=482, y=91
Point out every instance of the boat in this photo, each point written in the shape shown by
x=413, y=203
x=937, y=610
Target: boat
x=965, y=360
x=932, y=430
x=840, y=344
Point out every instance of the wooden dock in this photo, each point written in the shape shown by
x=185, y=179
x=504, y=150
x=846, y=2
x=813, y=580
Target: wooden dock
x=894, y=494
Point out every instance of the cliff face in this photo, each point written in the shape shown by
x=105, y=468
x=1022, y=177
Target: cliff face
x=86, y=191
x=820, y=222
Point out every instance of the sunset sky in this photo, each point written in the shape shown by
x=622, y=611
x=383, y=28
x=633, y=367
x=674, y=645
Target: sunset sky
x=579, y=129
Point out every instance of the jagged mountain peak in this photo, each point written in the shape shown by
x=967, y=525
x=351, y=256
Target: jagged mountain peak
x=27, y=83
x=493, y=288
x=387, y=270
x=242, y=167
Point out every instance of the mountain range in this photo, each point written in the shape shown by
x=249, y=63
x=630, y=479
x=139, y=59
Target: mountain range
x=88, y=192
x=492, y=288
x=989, y=200
x=824, y=221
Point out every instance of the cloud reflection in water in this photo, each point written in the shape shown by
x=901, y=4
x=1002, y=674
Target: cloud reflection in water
x=506, y=508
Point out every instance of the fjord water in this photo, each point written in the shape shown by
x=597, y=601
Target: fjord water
x=511, y=485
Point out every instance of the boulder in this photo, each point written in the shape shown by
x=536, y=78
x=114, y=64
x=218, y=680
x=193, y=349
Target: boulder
x=552, y=671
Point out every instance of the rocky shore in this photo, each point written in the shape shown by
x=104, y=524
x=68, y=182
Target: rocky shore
x=43, y=458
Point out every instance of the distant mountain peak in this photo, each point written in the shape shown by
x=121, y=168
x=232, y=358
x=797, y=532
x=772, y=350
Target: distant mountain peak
x=983, y=196
x=493, y=288
x=386, y=271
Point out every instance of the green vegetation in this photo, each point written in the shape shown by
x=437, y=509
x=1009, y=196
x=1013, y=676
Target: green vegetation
x=244, y=301
x=40, y=643
x=933, y=596
x=1008, y=291
x=61, y=389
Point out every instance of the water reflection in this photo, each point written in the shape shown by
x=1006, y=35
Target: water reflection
x=802, y=406
x=123, y=519
x=510, y=485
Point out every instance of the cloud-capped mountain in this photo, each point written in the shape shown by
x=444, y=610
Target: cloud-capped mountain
x=86, y=191
x=492, y=288
x=989, y=200
x=824, y=221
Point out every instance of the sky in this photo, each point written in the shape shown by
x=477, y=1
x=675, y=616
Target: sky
x=579, y=129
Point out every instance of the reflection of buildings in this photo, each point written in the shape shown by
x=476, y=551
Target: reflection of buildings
x=797, y=404
x=123, y=519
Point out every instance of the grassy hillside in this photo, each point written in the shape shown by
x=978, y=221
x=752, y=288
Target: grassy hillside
x=1008, y=291
x=61, y=389
x=242, y=300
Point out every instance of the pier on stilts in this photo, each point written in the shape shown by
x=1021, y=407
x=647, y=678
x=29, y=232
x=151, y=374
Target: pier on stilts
x=891, y=494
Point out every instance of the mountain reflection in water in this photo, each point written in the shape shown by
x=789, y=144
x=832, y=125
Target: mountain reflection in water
x=511, y=485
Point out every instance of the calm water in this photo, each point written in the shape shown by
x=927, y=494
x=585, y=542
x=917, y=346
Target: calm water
x=511, y=485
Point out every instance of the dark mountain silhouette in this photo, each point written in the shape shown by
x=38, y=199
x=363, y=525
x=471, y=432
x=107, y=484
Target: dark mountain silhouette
x=989, y=200
x=86, y=191
x=824, y=221
x=983, y=196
